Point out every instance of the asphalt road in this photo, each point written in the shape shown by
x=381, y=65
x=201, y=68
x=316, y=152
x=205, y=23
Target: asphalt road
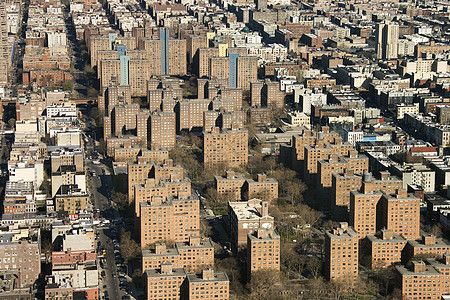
x=100, y=187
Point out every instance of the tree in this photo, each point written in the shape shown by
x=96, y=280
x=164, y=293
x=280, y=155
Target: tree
x=265, y=284
x=292, y=262
x=92, y=92
x=314, y=266
x=121, y=201
x=12, y=123
x=128, y=247
x=205, y=229
x=436, y=230
x=95, y=115
x=308, y=214
x=68, y=86
x=47, y=248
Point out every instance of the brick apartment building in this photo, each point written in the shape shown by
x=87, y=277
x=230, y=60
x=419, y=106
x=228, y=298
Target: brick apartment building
x=235, y=186
x=263, y=251
x=226, y=148
x=266, y=94
x=341, y=253
x=165, y=282
x=122, y=118
x=262, y=187
x=424, y=280
x=145, y=169
x=400, y=212
x=169, y=219
x=427, y=245
x=336, y=164
x=67, y=157
x=208, y=285
x=363, y=203
x=175, y=187
x=172, y=283
x=230, y=186
x=71, y=202
x=341, y=186
x=113, y=94
x=70, y=257
x=385, y=248
x=193, y=255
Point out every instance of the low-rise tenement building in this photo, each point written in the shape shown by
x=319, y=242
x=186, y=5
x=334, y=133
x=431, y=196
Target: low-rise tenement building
x=263, y=251
x=246, y=217
x=341, y=254
x=415, y=173
x=71, y=200
x=385, y=248
x=21, y=251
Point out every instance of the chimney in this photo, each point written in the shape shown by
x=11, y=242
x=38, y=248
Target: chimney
x=160, y=248
x=418, y=266
x=325, y=129
x=333, y=158
x=208, y=274
x=157, y=200
x=446, y=258
x=168, y=163
x=349, y=172
x=428, y=240
x=353, y=154
x=402, y=193
x=262, y=233
x=432, y=43
x=261, y=177
x=194, y=241
x=231, y=174
x=264, y=208
x=343, y=226
x=367, y=177
x=338, y=140
x=384, y=175
x=166, y=268
x=387, y=234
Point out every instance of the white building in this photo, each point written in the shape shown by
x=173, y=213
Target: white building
x=403, y=108
x=353, y=136
x=417, y=174
x=308, y=97
x=298, y=119
x=55, y=38
x=24, y=171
